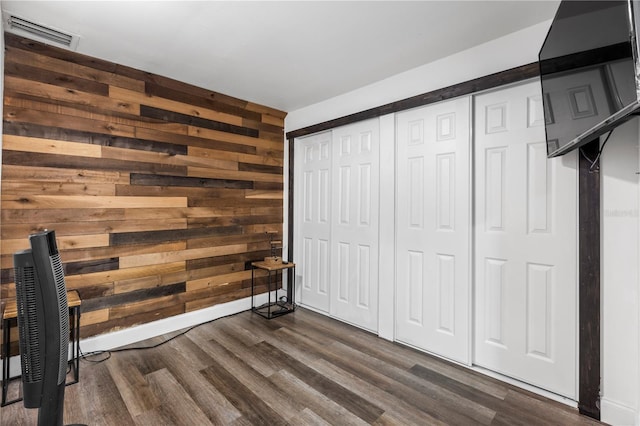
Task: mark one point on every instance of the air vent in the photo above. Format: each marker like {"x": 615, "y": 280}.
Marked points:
{"x": 27, "y": 28}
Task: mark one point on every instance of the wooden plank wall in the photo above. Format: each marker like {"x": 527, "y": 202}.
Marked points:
{"x": 160, "y": 192}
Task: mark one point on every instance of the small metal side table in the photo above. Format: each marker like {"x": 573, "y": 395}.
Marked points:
{"x": 282, "y": 304}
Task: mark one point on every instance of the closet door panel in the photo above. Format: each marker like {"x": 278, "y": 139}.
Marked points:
{"x": 354, "y": 232}
{"x": 526, "y": 244}
{"x": 432, "y": 223}
{"x": 313, "y": 219}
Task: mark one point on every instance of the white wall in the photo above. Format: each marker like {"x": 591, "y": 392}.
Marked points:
{"x": 516, "y": 49}
{"x": 620, "y": 276}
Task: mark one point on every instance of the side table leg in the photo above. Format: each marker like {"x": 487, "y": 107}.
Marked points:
{"x": 289, "y": 285}
{"x": 75, "y": 343}
{"x": 252, "y": 273}
{"x": 5, "y": 360}
{"x": 269, "y": 296}
{"x": 292, "y": 297}
{"x": 78, "y": 345}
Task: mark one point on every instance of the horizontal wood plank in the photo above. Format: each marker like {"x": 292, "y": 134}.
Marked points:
{"x": 208, "y": 100}
{"x": 19, "y": 172}
{"x": 183, "y": 181}
{"x": 82, "y": 281}
{"x": 93, "y": 227}
{"x": 223, "y": 279}
{"x": 232, "y": 174}
{"x": 163, "y": 236}
{"x": 50, "y": 64}
{"x": 197, "y": 121}
{"x": 79, "y": 255}
{"x": 63, "y": 94}
{"x": 218, "y": 135}
{"x": 72, "y": 162}
{"x": 29, "y": 72}
{"x": 237, "y": 157}
{"x": 10, "y": 246}
{"x": 23, "y": 115}
{"x": 169, "y": 257}
{"x": 56, "y": 188}
{"x": 84, "y": 202}
{"x": 49, "y": 146}
{"x": 190, "y": 140}
{"x": 160, "y": 103}
{"x": 263, "y": 194}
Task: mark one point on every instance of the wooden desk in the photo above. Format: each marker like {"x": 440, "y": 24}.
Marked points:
{"x": 280, "y": 306}
{"x": 10, "y": 316}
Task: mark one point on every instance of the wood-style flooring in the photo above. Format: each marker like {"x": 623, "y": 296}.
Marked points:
{"x": 299, "y": 369}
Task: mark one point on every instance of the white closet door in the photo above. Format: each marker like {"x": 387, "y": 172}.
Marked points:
{"x": 313, "y": 219}
{"x": 433, "y": 237}
{"x": 354, "y": 220}
{"x": 526, "y": 244}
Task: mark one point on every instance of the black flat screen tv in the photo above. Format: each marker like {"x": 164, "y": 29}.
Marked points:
{"x": 589, "y": 71}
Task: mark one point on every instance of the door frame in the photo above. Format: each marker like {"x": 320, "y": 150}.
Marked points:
{"x": 588, "y": 222}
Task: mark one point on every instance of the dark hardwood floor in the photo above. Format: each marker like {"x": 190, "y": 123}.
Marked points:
{"x": 298, "y": 369}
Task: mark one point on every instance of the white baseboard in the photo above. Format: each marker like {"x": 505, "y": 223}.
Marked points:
{"x": 615, "y": 413}
{"x": 107, "y": 341}
{"x": 526, "y": 386}
{"x": 316, "y": 310}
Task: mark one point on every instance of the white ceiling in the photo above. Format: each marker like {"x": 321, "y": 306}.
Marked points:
{"x": 287, "y": 54}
